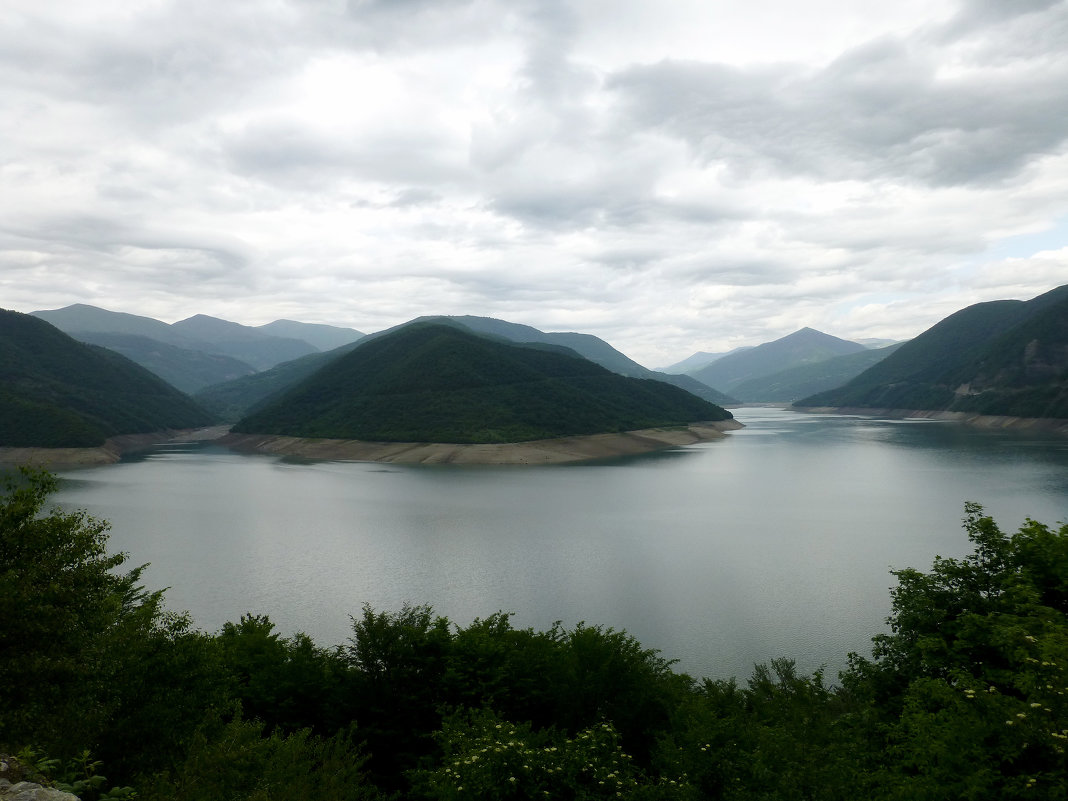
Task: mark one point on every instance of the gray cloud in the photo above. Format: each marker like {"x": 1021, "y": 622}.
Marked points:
{"x": 881, "y": 111}
{"x": 361, "y": 163}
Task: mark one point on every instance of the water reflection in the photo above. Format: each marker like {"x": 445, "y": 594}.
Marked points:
{"x": 774, "y": 541}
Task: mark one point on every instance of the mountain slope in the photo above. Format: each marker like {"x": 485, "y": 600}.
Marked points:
{"x": 586, "y": 345}
{"x": 323, "y": 337}
{"x": 789, "y": 385}
{"x": 232, "y": 400}
{"x": 58, "y": 392}
{"x": 242, "y": 342}
{"x": 806, "y": 346}
{"x": 1005, "y": 357}
{"x": 182, "y": 368}
{"x": 256, "y": 347}
{"x": 431, "y": 382}
{"x": 696, "y": 361}
{"x": 81, "y": 317}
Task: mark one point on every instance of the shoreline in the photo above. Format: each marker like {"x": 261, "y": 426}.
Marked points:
{"x": 110, "y": 452}
{"x": 1041, "y": 424}
{"x": 561, "y": 450}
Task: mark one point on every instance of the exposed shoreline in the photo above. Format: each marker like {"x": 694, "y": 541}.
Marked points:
{"x": 1039, "y": 424}
{"x": 108, "y": 453}
{"x": 545, "y": 451}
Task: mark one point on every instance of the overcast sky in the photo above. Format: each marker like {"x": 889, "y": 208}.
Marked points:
{"x": 671, "y": 176}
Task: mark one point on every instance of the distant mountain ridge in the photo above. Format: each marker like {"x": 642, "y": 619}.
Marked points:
{"x": 1006, "y": 357}
{"x": 806, "y": 346}
{"x": 200, "y": 350}
{"x": 798, "y": 382}
{"x": 698, "y": 360}
{"x": 58, "y": 392}
{"x": 436, "y": 382}
{"x": 182, "y": 368}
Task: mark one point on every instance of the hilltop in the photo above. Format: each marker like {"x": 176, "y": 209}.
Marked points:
{"x": 58, "y": 392}
{"x": 431, "y": 382}
{"x": 803, "y": 380}
{"x": 198, "y": 351}
{"x": 586, "y": 345}
{"x": 1005, "y": 358}
{"x": 234, "y": 399}
{"x": 806, "y": 346}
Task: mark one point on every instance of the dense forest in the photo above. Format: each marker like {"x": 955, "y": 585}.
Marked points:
{"x": 1005, "y": 357}
{"x": 963, "y": 696}
{"x": 428, "y": 382}
{"x": 56, "y": 392}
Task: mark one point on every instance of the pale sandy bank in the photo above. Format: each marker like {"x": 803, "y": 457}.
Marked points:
{"x": 544, "y": 451}
{"x": 111, "y": 451}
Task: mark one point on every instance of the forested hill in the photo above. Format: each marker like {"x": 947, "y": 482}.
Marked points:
{"x": 806, "y": 346}
{"x": 58, "y": 392}
{"x": 1006, "y": 357}
{"x": 429, "y": 382}
{"x": 586, "y": 345}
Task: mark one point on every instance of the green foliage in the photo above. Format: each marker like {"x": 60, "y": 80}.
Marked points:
{"x": 970, "y": 683}
{"x": 57, "y": 392}
{"x": 966, "y": 695}
{"x": 93, "y": 658}
{"x": 80, "y": 775}
{"x": 240, "y": 760}
{"x": 436, "y": 383}
{"x": 1001, "y": 358}
{"x": 59, "y": 603}
{"x": 781, "y": 736}
{"x": 286, "y": 682}
{"x": 485, "y": 757}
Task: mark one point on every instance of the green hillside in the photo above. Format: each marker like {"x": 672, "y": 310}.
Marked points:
{"x": 185, "y": 369}
{"x": 258, "y": 347}
{"x": 806, "y": 346}
{"x": 431, "y": 382}
{"x": 232, "y": 400}
{"x": 248, "y": 344}
{"x": 585, "y": 345}
{"x": 807, "y": 379}
{"x": 1006, "y": 357}
{"x": 57, "y": 392}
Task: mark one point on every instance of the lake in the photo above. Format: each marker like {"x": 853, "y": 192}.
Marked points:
{"x": 774, "y": 541}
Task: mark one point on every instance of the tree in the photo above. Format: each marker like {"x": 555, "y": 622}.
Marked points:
{"x": 59, "y": 597}
{"x": 969, "y": 687}
{"x": 88, "y": 657}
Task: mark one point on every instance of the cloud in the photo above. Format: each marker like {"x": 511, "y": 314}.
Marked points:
{"x": 682, "y": 177}
{"x": 884, "y": 110}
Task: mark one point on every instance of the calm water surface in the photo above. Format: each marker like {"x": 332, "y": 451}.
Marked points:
{"x": 775, "y": 541}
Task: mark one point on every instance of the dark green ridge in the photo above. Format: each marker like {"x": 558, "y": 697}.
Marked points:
{"x": 1006, "y": 357}
{"x": 235, "y": 399}
{"x": 585, "y": 345}
{"x": 232, "y": 400}
{"x": 58, "y": 392}
{"x": 432, "y": 382}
